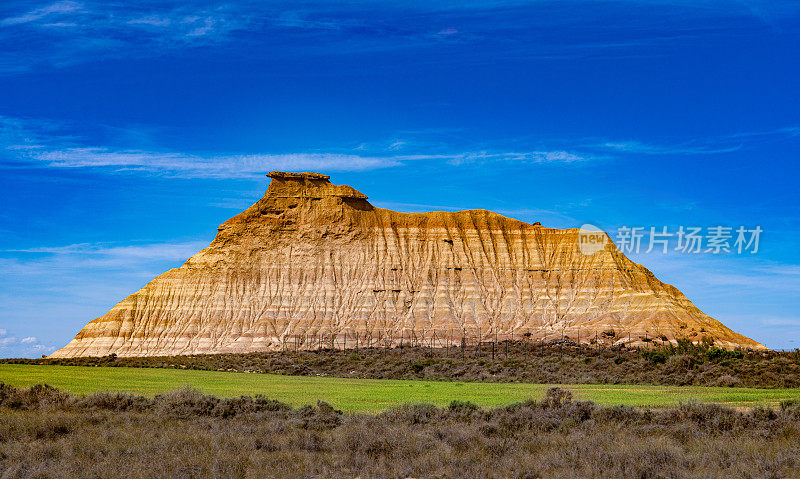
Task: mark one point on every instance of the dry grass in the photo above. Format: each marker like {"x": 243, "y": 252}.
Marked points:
{"x": 47, "y": 433}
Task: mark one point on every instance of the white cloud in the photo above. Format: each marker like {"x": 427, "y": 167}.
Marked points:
{"x": 25, "y": 347}
{"x": 3, "y": 332}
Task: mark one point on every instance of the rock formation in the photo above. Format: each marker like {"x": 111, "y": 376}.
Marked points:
{"x": 315, "y": 263}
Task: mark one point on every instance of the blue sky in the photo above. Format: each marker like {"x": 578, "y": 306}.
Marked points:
{"x": 128, "y": 133}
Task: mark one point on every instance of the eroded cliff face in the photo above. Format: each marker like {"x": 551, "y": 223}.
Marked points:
{"x": 314, "y": 259}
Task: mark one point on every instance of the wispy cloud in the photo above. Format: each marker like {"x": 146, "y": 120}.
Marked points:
{"x": 29, "y": 143}
{"x": 236, "y": 166}
{"x": 151, "y": 20}
{"x": 782, "y": 269}
{"x": 781, "y": 321}
{"x": 55, "y": 9}
{"x": 95, "y": 255}
{"x": 648, "y": 149}
{"x": 792, "y": 131}
{"x": 68, "y": 32}
{"x": 76, "y": 32}
{"x": 557, "y": 156}
{"x": 742, "y": 275}
{"x": 46, "y": 144}
{"x": 72, "y": 284}
{"x": 110, "y": 21}
{"x": 212, "y": 166}
{"x": 697, "y": 146}
{"x": 746, "y": 294}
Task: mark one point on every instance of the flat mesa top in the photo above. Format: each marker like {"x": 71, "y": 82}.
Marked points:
{"x": 283, "y": 175}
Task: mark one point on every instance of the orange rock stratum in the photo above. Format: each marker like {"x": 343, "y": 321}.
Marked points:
{"x": 314, "y": 259}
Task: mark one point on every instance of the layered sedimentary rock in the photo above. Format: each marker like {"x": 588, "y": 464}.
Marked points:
{"x": 314, "y": 263}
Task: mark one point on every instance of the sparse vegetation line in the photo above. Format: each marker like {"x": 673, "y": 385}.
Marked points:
{"x": 367, "y": 395}
{"x": 556, "y": 362}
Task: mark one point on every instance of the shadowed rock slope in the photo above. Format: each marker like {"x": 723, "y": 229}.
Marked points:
{"x": 312, "y": 259}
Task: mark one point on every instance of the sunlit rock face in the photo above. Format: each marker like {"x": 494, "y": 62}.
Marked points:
{"x": 312, "y": 259}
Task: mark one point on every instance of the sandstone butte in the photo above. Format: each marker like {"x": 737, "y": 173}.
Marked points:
{"x": 315, "y": 263}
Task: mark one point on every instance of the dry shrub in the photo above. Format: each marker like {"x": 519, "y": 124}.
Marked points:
{"x": 410, "y": 414}
{"x": 320, "y": 417}
{"x": 35, "y": 397}
{"x": 47, "y": 433}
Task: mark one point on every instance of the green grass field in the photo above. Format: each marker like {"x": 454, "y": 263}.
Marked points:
{"x": 365, "y": 395}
